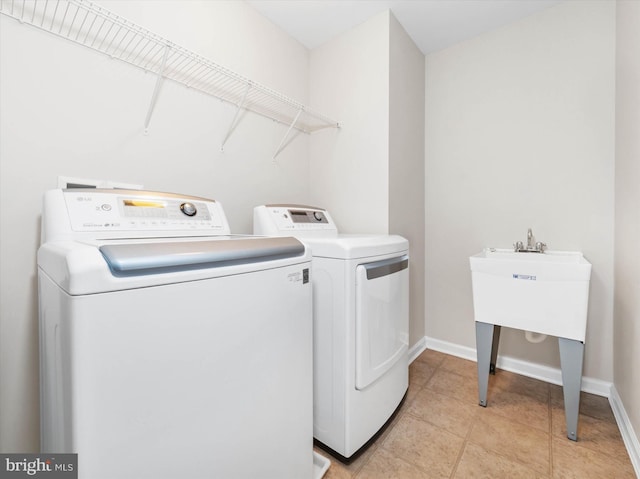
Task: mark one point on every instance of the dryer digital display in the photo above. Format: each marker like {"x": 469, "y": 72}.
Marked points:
{"x": 298, "y": 216}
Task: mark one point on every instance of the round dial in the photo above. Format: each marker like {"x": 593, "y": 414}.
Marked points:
{"x": 188, "y": 209}
{"x": 317, "y": 215}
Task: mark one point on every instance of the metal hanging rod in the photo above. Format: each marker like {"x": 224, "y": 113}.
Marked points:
{"x": 95, "y": 27}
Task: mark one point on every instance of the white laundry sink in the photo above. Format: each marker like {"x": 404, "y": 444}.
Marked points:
{"x": 544, "y": 293}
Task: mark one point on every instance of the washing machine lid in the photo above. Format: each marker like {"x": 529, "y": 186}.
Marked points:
{"x": 356, "y": 246}
{"x": 81, "y": 268}
{"x": 134, "y": 259}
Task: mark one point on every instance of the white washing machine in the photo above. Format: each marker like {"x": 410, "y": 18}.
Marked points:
{"x": 361, "y": 325}
{"x": 168, "y": 347}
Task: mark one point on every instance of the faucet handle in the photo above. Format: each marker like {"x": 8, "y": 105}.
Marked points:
{"x": 518, "y": 246}
{"x": 541, "y": 246}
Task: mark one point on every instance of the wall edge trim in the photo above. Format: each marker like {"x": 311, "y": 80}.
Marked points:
{"x": 519, "y": 366}
{"x": 629, "y": 436}
{"x": 417, "y": 349}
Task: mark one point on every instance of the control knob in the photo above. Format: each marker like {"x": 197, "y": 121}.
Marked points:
{"x": 188, "y": 209}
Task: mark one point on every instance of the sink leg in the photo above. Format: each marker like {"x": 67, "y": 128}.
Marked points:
{"x": 571, "y": 357}
{"x": 494, "y": 349}
{"x": 484, "y": 339}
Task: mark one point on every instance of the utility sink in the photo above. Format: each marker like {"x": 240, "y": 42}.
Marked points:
{"x": 544, "y": 293}
{"x": 536, "y": 290}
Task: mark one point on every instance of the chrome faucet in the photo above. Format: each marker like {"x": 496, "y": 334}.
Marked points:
{"x": 530, "y": 239}
{"x": 532, "y": 245}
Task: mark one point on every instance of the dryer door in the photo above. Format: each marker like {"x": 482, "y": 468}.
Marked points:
{"x": 382, "y": 317}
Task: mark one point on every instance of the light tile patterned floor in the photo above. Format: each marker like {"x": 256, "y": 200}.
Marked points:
{"x": 441, "y": 432}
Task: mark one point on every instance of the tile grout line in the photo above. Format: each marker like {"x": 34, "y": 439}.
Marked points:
{"x": 507, "y": 457}
{"x": 465, "y": 442}
{"x": 399, "y": 417}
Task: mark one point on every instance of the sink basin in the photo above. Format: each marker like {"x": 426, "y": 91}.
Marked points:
{"x": 544, "y": 293}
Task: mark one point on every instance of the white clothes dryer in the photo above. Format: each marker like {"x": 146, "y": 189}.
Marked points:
{"x": 170, "y": 348}
{"x": 360, "y": 325}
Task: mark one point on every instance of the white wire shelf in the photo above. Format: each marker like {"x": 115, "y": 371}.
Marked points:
{"x": 95, "y": 27}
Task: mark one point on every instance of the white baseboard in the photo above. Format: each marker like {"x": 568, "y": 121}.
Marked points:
{"x": 417, "y": 349}
{"x": 518, "y": 366}
{"x": 629, "y": 436}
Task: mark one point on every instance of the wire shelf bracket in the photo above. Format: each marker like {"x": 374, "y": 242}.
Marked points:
{"x": 92, "y": 26}
{"x": 156, "y": 90}
{"x": 282, "y": 144}
{"x": 236, "y": 120}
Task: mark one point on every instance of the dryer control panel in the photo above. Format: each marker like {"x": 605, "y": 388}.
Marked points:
{"x": 113, "y": 213}
{"x": 296, "y": 220}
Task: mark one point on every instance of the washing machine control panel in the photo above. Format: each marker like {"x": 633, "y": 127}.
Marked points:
{"x": 285, "y": 220}
{"x": 120, "y": 211}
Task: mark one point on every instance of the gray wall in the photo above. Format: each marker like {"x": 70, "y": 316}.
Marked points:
{"x": 370, "y": 174}
{"x": 406, "y": 161}
{"x": 519, "y": 134}
{"x": 349, "y": 77}
{"x": 627, "y": 231}
{"x": 67, "y": 110}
